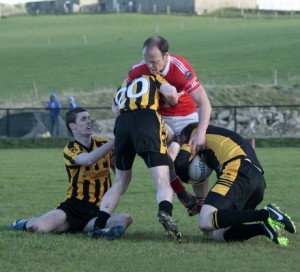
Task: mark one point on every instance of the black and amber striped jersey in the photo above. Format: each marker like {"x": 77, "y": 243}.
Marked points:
{"x": 222, "y": 145}
{"x": 141, "y": 93}
{"x": 88, "y": 183}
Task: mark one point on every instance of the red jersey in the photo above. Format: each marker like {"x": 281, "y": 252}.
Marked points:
{"x": 181, "y": 75}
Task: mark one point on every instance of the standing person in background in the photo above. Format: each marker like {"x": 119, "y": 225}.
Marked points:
{"x": 179, "y": 73}
{"x": 72, "y": 103}
{"x": 54, "y": 108}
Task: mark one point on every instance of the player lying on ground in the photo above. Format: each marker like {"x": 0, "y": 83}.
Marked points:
{"x": 87, "y": 160}
{"x": 231, "y": 203}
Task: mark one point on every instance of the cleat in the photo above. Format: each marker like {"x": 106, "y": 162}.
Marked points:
{"x": 107, "y": 233}
{"x": 188, "y": 200}
{"x": 169, "y": 225}
{"x": 18, "y": 225}
{"x": 271, "y": 232}
{"x": 283, "y": 241}
{"x": 280, "y": 219}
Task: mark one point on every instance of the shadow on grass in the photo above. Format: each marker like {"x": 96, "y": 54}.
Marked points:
{"x": 161, "y": 237}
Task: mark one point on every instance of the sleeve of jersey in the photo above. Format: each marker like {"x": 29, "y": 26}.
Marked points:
{"x": 137, "y": 70}
{"x": 191, "y": 80}
{"x": 133, "y": 74}
{"x": 101, "y": 141}
{"x": 159, "y": 80}
{"x": 182, "y": 164}
{"x": 70, "y": 154}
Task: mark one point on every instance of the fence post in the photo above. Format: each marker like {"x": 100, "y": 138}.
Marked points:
{"x": 274, "y": 77}
{"x": 35, "y": 90}
{"x": 168, "y": 10}
{"x": 234, "y": 116}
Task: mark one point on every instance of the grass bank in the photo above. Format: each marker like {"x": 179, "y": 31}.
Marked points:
{"x": 86, "y": 53}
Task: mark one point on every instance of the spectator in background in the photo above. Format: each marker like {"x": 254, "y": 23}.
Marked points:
{"x": 72, "y": 103}
{"x": 54, "y": 107}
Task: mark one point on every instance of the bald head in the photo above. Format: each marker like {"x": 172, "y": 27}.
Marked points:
{"x": 155, "y": 52}
{"x": 158, "y": 42}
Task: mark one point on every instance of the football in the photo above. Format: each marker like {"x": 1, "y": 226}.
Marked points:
{"x": 198, "y": 170}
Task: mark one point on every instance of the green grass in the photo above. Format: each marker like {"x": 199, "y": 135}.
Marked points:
{"x": 60, "y": 142}
{"x": 84, "y": 53}
{"x": 34, "y": 181}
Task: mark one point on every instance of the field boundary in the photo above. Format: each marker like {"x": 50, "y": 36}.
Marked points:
{"x": 60, "y": 142}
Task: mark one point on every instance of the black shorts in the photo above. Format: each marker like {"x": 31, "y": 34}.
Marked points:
{"x": 240, "y": 186}
{"x": 140, "y": 132}
{"x": 78, "y": 212}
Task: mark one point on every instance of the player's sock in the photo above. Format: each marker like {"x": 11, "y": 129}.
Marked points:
{"x": 243, "y": 232}
{"x": 176, "y": 183}
{"x": 101, "y": 220}
{"x": 228, "y": 218}
{"x": 166, "y": 206}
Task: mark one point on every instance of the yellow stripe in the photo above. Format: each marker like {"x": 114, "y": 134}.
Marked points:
{"x": 186, "y": 147}
{"x": 215, "y": 220}
{"x": 163, "y": 135}
{"x": 227, "y": 178}
{"x": 223, "y": 147}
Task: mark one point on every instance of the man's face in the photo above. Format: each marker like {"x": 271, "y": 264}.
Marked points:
{"x": 154, "y": 59}
{"x": 83, "y": 125}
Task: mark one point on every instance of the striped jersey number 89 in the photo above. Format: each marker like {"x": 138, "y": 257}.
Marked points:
{"x": 127, "y": 92}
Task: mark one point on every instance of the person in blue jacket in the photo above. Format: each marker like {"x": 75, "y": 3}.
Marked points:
{"x": 54, "y": 108}
{"x": 72, "y": 103}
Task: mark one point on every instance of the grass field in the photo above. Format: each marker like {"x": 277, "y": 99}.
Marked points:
{"x": 90, "y": 53}
{"x": 33, "y": 181}
{"x": 84, "y": 53}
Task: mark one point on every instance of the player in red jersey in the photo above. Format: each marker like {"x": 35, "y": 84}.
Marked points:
{"x": 179, "y": 73}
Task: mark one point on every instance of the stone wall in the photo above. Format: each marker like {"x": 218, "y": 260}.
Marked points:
{"x": 259, "y": 121}
{"x": 248, "y": 121}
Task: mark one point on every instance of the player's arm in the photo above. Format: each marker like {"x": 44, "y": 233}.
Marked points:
{"x": 204, "y": 110}
{"x": 181, "y": 163}
{"x": 112, "y": 162}
{"x": 183, "y": 158}
{"x": 115, "y": 108}
{"x": 169, "y": 92}
{"x": 88, "y": 159}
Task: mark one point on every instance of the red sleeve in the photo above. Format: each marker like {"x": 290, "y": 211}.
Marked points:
{"x": 137, "y": 70}
{"x": 189, "y": 77}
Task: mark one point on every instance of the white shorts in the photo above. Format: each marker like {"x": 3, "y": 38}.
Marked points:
{"x": 176, "y": 124}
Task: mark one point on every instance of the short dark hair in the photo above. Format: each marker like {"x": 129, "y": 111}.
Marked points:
{"x": 71, "y": 117}
{"x": 159, "y": 42}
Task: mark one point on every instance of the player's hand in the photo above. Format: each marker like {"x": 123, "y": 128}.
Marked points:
{"x": 197, "y": 142}
{"x": 115, "y": 109}
{"x": 197, "y": 208}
